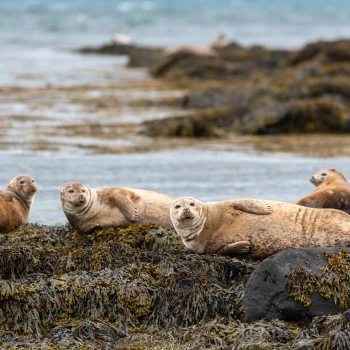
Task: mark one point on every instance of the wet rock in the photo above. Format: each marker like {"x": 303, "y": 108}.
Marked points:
{"x": 298, "y": 284}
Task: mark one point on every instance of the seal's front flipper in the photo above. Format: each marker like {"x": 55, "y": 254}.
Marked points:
{"x": 124, "y": 202}
{"x": 7, "y": 196}
{"x": 241, "y": 247}
{"x": 252, "y": 206}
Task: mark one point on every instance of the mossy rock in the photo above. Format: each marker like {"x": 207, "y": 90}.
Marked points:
{"x": 300, "y": 116}
{"x": 202, "y": 124}
{"x": 196, "y": 68}
{"x": 299, "y": 284}
{"x": 325, "y": 51}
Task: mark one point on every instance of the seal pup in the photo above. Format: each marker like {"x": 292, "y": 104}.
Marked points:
{"x": 88, "y": 209}
{"x": 258, "y": 227}
{"x": 333, "y": 191}
{"x": 16, "y": 201}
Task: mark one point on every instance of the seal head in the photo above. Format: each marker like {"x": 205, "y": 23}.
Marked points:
{"x": 24, "y": 187}
{"x": 188, "y": 216}
{"x": 75, "y": 197}
{"x": 325, "y": 175}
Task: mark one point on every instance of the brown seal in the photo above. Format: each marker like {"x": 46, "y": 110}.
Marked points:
{"x": 333, "y": 191}
{"x": 15, "y": 202}
{"x": 258, "y": 227}
{"x": 88, "y": 209}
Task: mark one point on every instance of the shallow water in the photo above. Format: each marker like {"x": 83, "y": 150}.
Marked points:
{"x": 206, "y": 175}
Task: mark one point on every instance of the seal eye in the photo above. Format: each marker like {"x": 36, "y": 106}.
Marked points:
{"x": 323, "y": 174}
{"x": 192, "y": 204}
{"x": 177, "y": 206}
{"x": 33, "y": 180}
{"x": 71, "y": 191}
{"x": 22, "y": 182}
{"x": 83, "y": 191}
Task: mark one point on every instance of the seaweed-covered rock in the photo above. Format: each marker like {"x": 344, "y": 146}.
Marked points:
{"x": 327, "y": 51}
{"x": 299, "y": 284}
{"x": 138, "y": 56}
{"x": 300, "y": 116}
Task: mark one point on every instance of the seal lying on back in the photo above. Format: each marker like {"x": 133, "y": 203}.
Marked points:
{"x": 88, "y": 209}
{"x": 333, "y": 191}
{"x": 258, "y": 227}
{"x": 15, "y": 202}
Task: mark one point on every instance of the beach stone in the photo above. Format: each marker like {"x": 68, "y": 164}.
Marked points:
{"x": 267, "y": 295}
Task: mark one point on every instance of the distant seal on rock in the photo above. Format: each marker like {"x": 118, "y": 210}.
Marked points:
{"x": 88, "y": 209}
{"x": 333, "y": 191}
{"x": 121, "y": 39}
{"x": 15, "y": 202}
{"x": 188, "y": 51}
{"x": 219, "y": 41}
{"x": 258, "y": 227}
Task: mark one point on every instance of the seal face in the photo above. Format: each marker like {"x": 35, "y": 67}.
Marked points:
{"x": 16, "y": 201}
{"x": 256, "y": 227}
{"x": 88, "y": 209}
{"x": 326, "y": 175}
{"x": 333, "y": 191}
{"x": 188, "y": 217}
{"x": 74, "y": 196}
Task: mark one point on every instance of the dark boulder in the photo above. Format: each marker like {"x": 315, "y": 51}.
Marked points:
{"x": 299, "y": 284}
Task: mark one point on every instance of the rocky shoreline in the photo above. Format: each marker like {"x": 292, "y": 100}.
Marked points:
{"x": 252, "y": 90}
{"x": 137, "y": 288}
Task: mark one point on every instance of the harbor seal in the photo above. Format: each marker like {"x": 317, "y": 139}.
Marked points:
{"x": 333, "y": 191}
{"x": 16, "y": 201}
{"x": 188, "y": 51}
{"x": 258, "y": 228}
{"x": 88, "y": 209}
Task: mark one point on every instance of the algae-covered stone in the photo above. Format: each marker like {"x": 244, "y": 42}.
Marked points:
{"x": 299, "y": 284}
{"x": 303, "y": 116}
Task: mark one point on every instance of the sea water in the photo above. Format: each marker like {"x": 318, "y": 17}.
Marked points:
{"x": 205, "y": 175}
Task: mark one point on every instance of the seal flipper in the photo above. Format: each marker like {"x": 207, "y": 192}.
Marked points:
{"x": 7, "y": 196}
{"x": 124, "y": 201}
{"x": 252, "y": 206}
{"x": 241, "y": 247}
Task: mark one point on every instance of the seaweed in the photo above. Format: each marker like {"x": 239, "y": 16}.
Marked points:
{"x": 333, "y": 283}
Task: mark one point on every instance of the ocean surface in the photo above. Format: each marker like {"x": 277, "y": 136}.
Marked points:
{"x": 274, "y": 23}
{"x": 205, "y": 175}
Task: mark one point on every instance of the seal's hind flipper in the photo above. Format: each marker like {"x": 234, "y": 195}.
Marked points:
{"x": 7, "y": 196}
{"x": 252, "y": 206}
{"x": 123, "y": 199}
{"x": 241, "y": 247}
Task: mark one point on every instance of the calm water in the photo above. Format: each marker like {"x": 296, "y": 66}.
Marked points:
{"x": 206, "y": 175}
